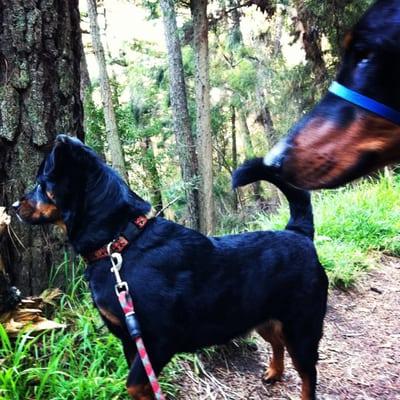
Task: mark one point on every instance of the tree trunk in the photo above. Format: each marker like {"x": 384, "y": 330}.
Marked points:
{"x": 113, "y": 139}
{"x": 249, "y": 151}
{"x": 40, "y": 52}
{"x": 279, "y": 21}
{"x": 234, "y": 153}
{"x": 311, "y": 38}
{"x": 182, "y": 127}
{"x": 203, "y": 115}
{"x": 151, "y": 171}
{"x": 86, "y": 88}
{"x": 264, "y": 114}
{"x": 86, "y": 84}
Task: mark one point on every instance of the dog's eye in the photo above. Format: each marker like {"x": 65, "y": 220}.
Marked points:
{"x": 364, "y": 61}
{"x": 363, "y": 57}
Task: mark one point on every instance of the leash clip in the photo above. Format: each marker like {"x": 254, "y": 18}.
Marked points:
{"x": 121, "y": 287}
{"x": 116, "y": 262}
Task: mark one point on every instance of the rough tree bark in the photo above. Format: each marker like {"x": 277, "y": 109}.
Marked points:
{"x": 40, "y": 52}
{"x": 182, "y": 127}
{"x": 113, "y": 139}
{"x": 86, "y": 87}
{"x": 203, "y": 116}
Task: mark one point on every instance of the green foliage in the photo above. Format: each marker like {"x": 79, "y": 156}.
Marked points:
{"x": 335, "y": 19}
{"x": 367, "y": 216}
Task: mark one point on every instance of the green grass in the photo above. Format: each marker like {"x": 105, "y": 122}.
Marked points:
{"x": 82, "y": 362}
{"x": 351, "y": 224}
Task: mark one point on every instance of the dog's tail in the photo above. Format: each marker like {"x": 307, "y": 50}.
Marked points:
{"x": 301, "y": 216}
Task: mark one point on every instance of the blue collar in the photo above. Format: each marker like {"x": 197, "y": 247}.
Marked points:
{"x": 365, "y": 102}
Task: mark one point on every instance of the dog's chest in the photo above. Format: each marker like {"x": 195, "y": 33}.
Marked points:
{"x": 105, "y": 300}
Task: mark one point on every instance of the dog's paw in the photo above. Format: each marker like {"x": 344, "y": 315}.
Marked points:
{"x": 271, "y": 376}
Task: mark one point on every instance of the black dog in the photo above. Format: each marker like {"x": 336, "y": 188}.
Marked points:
{"x": 339, "y": 141}
{"x": 189, "y": 290}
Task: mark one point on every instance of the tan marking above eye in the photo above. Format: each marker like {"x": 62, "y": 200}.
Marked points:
{"x": 45, "y": 210}
{"x": 347, "y": 40}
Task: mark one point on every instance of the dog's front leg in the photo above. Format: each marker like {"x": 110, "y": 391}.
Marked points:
{"x": 130, "y": 351}
{"x": 138, "y": 385}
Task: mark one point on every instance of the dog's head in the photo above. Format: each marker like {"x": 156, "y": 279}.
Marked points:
{"x": 75, "y": 188}
{"x": 54, "y": 183}
{"x": 339, "y": 141}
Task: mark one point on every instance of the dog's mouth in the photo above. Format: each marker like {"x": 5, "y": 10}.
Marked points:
{"x": 36, "y": 213}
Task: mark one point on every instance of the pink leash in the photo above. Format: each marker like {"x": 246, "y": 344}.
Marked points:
{"x": 125, "y": 299}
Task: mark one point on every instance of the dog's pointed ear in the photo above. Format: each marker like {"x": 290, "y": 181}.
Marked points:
{"x": 62, "y": 138}
{"x": 59, "y": 156}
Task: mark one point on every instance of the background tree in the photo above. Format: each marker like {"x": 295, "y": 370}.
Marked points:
{"x": 113, "y": 139}
{"x": 40, "y": 53}
{"x": 203, "y": 114}
{"x": 180, "y": 113}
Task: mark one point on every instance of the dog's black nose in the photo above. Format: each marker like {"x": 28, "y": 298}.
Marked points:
{"x": 276, "y": 155}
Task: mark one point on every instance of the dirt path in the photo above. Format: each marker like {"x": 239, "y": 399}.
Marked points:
{"x": 359, "y": 353}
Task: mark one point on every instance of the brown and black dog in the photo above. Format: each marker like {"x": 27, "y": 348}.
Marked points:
{"x": 190, "y": 290}
{"x": 339, "y": 141}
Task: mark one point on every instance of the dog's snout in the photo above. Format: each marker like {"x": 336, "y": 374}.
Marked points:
{"x": 276, "y": 155}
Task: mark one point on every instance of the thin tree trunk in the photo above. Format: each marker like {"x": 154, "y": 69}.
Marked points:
{"x": 153, "y": 176}
{"x": 40, "y": 53}
{"x": 264, "y": 114}
{"x": 249, "y": 150}
{"x": 182, "y": 127}
{"x": 86, "y": 84}
{"x": 234, "y": 141}
{"x": 235, "y": 31}
{"x": 234, "y": 153}
{"x": 86, "y": 87}
{"x": 279, "y": 21}
{"x": 203, "y": 114}
{"x": 113, "y": 139}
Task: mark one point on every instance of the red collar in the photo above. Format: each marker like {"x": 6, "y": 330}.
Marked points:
{"x": 117, "y": 245}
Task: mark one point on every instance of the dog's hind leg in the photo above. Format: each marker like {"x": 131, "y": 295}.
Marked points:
{"x": 271, "y": 331}
{"x": 303, "y": 350}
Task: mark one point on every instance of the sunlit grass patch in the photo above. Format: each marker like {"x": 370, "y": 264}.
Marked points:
{"x": 82, "y": 362}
